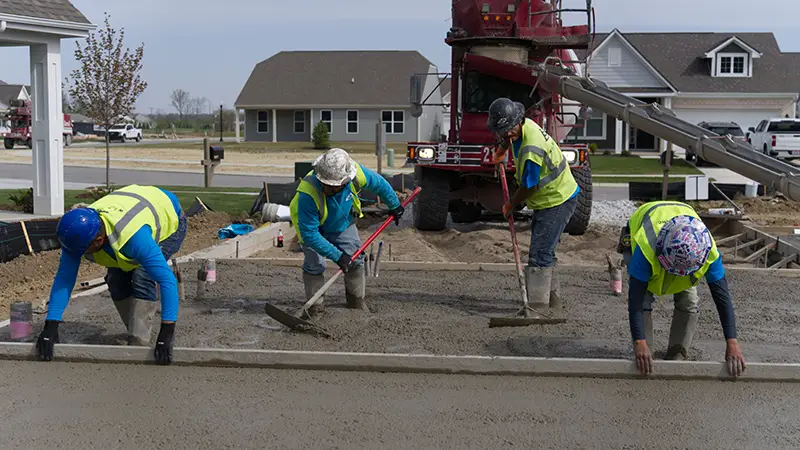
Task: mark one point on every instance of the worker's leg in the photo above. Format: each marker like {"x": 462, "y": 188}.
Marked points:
{"x": 348, "y": 241}
{"x": 313, "y": 277}
{"x": 145, "y": 294}
{"x": 121, "y": 290}
{"x": 547, "y": 225}
{"x": 684, "y": 323}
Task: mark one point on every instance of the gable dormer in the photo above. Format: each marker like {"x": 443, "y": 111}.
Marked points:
{"x": 732, "y": 58}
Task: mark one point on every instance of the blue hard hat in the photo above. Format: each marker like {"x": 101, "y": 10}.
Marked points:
{"x": 77, "y": 229}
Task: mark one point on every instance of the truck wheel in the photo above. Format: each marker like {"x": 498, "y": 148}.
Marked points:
{"x": 29, "y": 144}
{"x": 8, "y": 144}
{"x": 431, "y": 205}
{"x": 67, "y": 140}
{"x": 122, "y": 139}
{"x": 583, "y": 211}
{"x": 138, "y": 137}
{"x": 466, "y": 212}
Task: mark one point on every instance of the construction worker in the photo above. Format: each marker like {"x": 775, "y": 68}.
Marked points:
{"x": 545, "y": 186}
{"x": 668, "y": 249}
{"x": 324, "y": 211}
{"x": 132, "y": 231}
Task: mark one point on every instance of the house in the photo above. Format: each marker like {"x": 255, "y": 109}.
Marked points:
{"x": 289, "y": 93}
{"x": 10, "y": 92}
{"x": 445, "y": 88}
{"x": 714, "y": 77}
{"x": 82, "y": 124}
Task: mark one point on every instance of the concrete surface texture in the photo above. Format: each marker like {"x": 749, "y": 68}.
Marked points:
{"x": 447, "y": 313}
{"x": 132, "y": 407}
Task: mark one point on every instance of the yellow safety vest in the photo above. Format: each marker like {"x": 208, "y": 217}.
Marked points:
{"x": 645, "y": 224}
{"x": 556, "y": 183}
{"x": 125, "y": 211}
{"x": 308, "y": 186}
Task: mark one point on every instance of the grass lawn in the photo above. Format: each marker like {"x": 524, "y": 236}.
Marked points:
{"x": 259, "y": 147}
{"x": 233, "y": 204}
{"x": 635, "y": 165}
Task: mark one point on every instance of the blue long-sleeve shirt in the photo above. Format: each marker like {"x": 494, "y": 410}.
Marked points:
{"x": 142, "y": 248}
{"x": 640, "y": 272}
{"x": 339, "y": 213}
{"x": 532, "y": 171}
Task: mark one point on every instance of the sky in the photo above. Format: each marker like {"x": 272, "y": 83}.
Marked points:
{"x": 209, "y": 48}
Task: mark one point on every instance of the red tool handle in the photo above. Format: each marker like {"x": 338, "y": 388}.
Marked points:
{"x": 523, "y": 289}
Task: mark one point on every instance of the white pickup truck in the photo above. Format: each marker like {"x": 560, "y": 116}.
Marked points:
{"x": 776, "y": 137}
{"x": 122, "y": 132}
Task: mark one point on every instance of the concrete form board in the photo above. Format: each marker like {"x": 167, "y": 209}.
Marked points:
{"x": 408, "y": 363}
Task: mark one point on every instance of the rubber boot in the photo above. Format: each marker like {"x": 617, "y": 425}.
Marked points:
{"x": 137, "y": 315}
{"x": 681, "y": 333}
{"x": 355, "y": 289}
{"x": 538, "y": 281}
{"x": 555, "y": 290}
{"x": 312, "y": 284}
{"x": 648, "y": 329}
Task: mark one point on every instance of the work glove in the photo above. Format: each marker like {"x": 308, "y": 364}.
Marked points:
{"x": 734, "y": 358}
{"x": 163, "y": 350}
{"x": 508, "y": 209}
{"x": 397, "y": 213}
{"x": 47, "y": 340}
{"x": 344, "y": 262}
{"x": 644, "y": 360}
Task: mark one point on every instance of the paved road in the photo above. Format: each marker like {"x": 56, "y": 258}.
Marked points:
{"x": 79, "y": 144}
{"x": 92, "y": 176}
{"x": 121, "y": 407}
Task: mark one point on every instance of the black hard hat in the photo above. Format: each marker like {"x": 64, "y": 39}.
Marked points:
{"x": 505, "y": 114}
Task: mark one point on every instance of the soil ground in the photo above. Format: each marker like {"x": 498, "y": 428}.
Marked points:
{"x": 447, "y": 313}
{"x": 29, "y": 277}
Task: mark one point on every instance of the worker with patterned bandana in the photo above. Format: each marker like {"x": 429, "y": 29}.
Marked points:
{"x": 668, "y": 250}
{"x": 132, "y": 232}
{"x": 545, "y": 186}
{"x": 324, "y": 212}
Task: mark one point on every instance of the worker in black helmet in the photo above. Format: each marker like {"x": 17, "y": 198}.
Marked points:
{"x": 544, "y": 185}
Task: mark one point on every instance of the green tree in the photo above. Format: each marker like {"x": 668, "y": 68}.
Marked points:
{"x": 320, "y": 136}
{"x": 108, "y": 82}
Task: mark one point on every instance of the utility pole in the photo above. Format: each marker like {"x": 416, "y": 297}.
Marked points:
{"x": 220, "y": 121}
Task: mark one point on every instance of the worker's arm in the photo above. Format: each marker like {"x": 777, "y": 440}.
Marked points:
{"x": 142, "y": 248}
{"x": 530, "y": 182}
{"x": 718, "y": 285}
{"x": 308, "y": 225}
{"x": 63, "y": 284}
{"x": 378, "y": 185}
{"x": 639, "y": 272}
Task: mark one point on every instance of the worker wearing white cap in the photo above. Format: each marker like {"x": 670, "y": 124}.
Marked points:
{"x": 324, "y": 211}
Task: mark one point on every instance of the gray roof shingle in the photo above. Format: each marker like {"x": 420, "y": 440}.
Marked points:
{"x": 292, "y": 78}
{"x": 61, "y": 10}
{"x": 9, "y": 92}
{"x": 679, "y": 57}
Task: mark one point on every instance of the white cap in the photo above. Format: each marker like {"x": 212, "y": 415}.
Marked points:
{"x": 335, "y": 167}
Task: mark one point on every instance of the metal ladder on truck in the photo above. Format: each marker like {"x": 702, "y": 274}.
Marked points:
{"x": 663, "y": 123}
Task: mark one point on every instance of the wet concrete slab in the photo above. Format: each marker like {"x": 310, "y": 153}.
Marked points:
{"x": 448, "y": 313}
{"x": 71, "y": 405}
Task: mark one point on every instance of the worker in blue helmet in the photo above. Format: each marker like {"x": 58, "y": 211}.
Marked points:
{"x": 132, "y": 232}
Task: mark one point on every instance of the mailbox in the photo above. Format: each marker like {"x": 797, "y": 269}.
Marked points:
{"x": 216, "y": 153}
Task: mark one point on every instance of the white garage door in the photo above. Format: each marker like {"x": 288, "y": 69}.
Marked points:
{"x": 745, "y": 119}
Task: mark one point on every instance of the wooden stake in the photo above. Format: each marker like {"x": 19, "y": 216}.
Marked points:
{"x": 27, "y": 238}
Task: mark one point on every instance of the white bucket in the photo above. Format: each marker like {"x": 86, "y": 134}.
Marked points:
{"x": 273, "y": 212}
{"x": 751, "y": 189}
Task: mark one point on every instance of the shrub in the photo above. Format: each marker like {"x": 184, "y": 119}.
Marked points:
{"x": 98, "y": 192}
{"x": 24, "y": 200}
{"x": 607, "y": 153}
{"x": 627, "y": 153}
{"x": 320, "y": 136}
{"x": 593, "y": 148}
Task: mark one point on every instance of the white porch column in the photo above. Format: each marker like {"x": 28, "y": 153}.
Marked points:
{"x": 312, "y": 122}
{"x": 47, "y": 128}
{"x": 666, "y": 103}
{"x": 236, "y": 117}
{"x": 274, "y": 125}
{"x": 618, "y": 130}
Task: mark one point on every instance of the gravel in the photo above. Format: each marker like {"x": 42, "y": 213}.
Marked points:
{"x": 613, "y": 213}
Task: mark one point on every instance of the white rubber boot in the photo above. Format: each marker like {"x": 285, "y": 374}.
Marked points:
{"x": 355, "y": 288}
{"x": 538, "y": 281}
{"x": 137, "y": 315}
{"x": 555, "y": 290}
{"x": 312, "y": 284}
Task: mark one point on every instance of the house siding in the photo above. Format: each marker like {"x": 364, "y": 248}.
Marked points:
{"x": 632, "y": 73}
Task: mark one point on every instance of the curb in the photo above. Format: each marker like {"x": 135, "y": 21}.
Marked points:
{"x": 430, "y": 266}
{"x": 408, "y": 363}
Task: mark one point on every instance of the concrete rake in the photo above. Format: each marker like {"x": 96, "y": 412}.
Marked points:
{"x": 301, "y": 320}
{"x": 527, "y": 315}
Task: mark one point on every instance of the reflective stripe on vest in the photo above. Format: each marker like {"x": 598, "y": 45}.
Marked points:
{"x": 128, "y": 217}
{"x": 554, "y": 171}
{"x": 321, "y": 195}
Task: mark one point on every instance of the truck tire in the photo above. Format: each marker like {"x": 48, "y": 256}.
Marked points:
{"x": 122, "y": 139}
{"x": 67, "y": 140}
{"x": 466, "y": 212}
{"x": 29, "y": 144}
{"x": 138, "y": 137}
{"x": 8, "y": 144}
{"x": 579, "y": 222}
{"x": 431, "y": 205}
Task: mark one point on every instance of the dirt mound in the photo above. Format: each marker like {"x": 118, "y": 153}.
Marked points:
{"x": 776, "y": 210}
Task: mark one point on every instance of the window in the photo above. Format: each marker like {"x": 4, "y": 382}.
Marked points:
{"x": 785, "y": 126}
{"x": 614, "y": 57}
{"x": 394, "y": 121}
{"x": 732, "y": 65}
{"x": 593, "y": 128}
{"x": 352, "y": 122}
{"x": 262, "y": 121}
{"x": 299, "y": 122}
{"x": 480, "y": 90}
{"x": 326, "y": 117}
